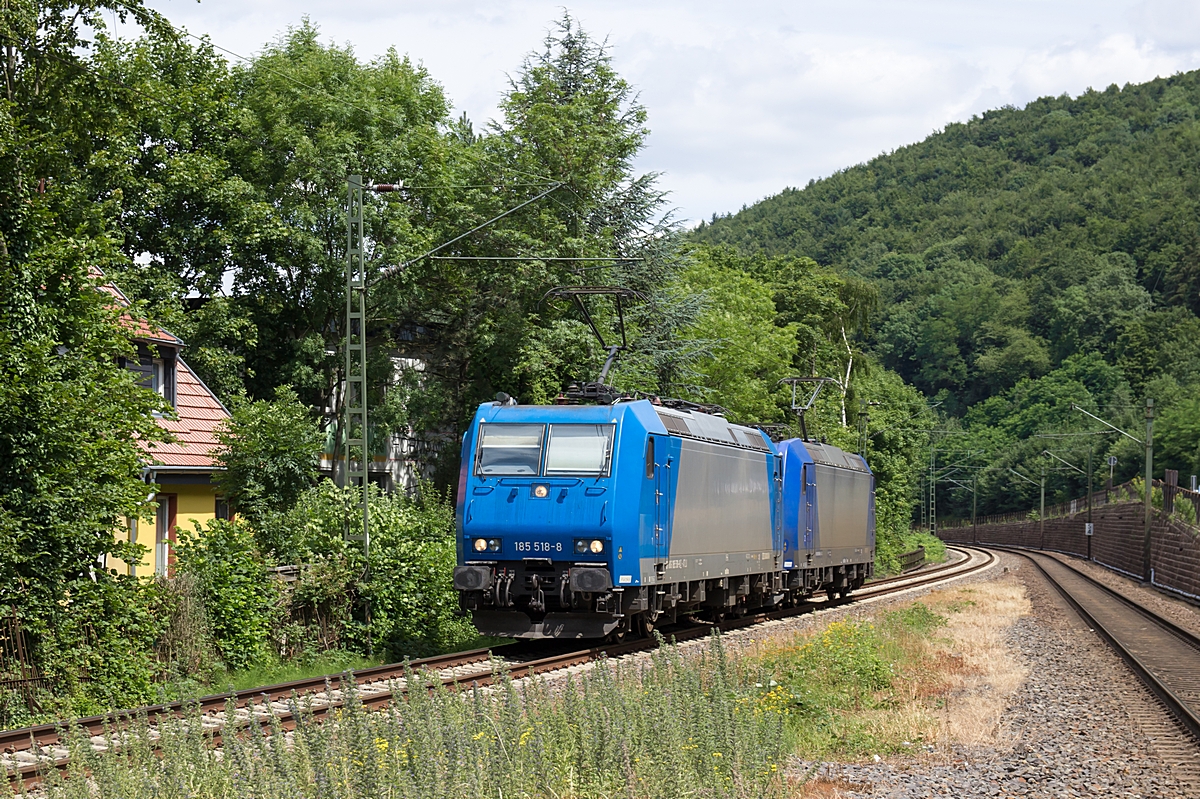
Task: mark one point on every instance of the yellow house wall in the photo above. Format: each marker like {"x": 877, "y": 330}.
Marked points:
{"x": 194, "y": 502}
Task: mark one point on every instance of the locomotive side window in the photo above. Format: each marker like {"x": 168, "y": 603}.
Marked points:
{"x": 510, "y": 449}
{"x": 579, "y": 449}
{"x": 650, "y": 457}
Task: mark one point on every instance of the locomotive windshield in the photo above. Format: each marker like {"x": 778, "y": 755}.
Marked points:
{"x": 579, "y": 449}
{"x": 514, "y": 449}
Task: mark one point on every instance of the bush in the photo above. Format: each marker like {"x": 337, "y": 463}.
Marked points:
{"x": 97, "y": 652}
{"x": 1185, "y": 511}
{"x": 268, "y": 459}
{"x": 239, "y": 597}
{"x": 408, "y": 582}
{"x": 186, "y": 648}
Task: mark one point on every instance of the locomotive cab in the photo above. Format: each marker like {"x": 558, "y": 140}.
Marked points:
{"x": 536, "y": 517}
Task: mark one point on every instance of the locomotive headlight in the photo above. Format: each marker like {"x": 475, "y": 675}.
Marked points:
{"x": 597, "y": 547}
{"x": 481, "y": 544}
{"x": 493, "y": 544}
{"x": 541, "y": 491}
{"x": 581, "y": 546}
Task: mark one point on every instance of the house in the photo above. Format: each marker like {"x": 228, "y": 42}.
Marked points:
{"x": 182, "y": 469}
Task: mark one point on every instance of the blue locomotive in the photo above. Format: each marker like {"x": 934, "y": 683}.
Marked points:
{"x": 586, "y": 521}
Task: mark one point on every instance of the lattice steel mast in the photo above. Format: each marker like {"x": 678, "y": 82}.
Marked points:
{"x": 356, "y": 433}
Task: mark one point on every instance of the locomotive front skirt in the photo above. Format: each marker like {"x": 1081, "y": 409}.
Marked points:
{"x": 591, "y": 521}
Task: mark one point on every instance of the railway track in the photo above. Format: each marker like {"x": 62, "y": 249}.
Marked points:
{"x": 29, "y": 753}
{"x": 1165, "y": 656}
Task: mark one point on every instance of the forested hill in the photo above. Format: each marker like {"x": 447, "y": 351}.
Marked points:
{"x": 1004, "y": 245}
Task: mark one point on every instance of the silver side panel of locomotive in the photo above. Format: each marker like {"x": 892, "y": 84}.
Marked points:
{"x": 721, "y": 523}
{"x": 722, "y": 501}
{"x": 844, "y": 533}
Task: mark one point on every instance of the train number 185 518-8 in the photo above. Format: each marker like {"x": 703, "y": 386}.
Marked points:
{"x": 538, "y": 546}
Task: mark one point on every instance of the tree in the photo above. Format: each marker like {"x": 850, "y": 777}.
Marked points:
{"x": 484, "y": 325}
{"x": 1177, "y": 437}
{"x": 268, "y": 458}
{"x": 73, "y": 422}
{"x": 749, "y": 353}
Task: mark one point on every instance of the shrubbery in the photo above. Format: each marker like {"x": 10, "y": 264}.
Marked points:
{"x": 255, "y": 618}
{"x": 239, "y": 599}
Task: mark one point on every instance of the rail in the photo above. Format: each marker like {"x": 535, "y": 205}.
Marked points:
{"x": 1160, "y": 652}
{"x": 28, "y": 754}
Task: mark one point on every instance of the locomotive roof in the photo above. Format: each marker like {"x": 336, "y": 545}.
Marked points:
{"x": 829, "y": 455}
{"x": 693, "y": 424}
{"x": 686, "y": 424}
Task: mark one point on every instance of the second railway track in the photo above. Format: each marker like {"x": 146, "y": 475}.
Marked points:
{"x": 27, "y": 754}
{"x": 1164, "y": 655}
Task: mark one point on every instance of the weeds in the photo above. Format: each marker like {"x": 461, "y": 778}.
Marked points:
{"x": 843, "y": 691}
{"x": 617, "y": 730}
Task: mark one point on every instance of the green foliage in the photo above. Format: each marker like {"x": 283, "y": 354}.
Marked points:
{"x": 268, "y": 457}
{"x": 1185, "y": 511}
{"x": 749, "y": 353}
{"x": 306, "y": 666}
{"x": 407, "y": 581}
{"x": 239, "y": 597}
{"x": 618, "y": 729}
{"x": 1177, "y": 438}
{"x": 832, "y": 687}
{"x": 916, "y": 618}
{"x": 1026, "y": 259}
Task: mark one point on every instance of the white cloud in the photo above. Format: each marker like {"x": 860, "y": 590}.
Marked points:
{"x": 747, "y": 98}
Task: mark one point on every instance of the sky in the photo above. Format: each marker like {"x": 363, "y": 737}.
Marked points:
{"x": 748, "y": 98}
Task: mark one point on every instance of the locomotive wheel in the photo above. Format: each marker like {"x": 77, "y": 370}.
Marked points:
{"x": 645, "y": 625}
{"x": 618, "y": 635}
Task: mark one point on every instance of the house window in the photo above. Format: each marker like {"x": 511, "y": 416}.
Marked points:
{"x": 222, "y": 509}
{"x": 164, "y": 535}
{"x": 156, "y": 373}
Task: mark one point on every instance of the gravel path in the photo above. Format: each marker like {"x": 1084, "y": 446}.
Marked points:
{"x": 1082, "y": 725}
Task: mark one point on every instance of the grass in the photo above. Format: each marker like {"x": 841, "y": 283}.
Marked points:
{"x": 921, "y": 676}
{"x": 704, "y": 724}
{"x": 332, "y": 662}
{"x": 842, "y": 689}
{"x": 927, "y": 674}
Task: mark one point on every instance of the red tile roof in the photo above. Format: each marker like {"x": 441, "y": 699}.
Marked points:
{"x": 199, "y": 411}
{"x": 140, "y": 328}
{"x": 200, "y": 414}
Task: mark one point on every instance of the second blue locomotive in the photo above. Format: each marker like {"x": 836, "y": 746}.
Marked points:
{"x": 588, "y": 521}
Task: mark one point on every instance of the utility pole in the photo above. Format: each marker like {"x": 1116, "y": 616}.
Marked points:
{"x": 357, "y": 432}
{"x": 1148, "y": 442}
{"x": 1147, "y": 571}
{"x": 1042, "y": 511}
{"x": 357, "y": 435}
{"x": 974, "y": 507}
{"x": 932, "y": 490}
{"x": 1090, "y": 528}
{"x": 1032, "y": 482}
{"x": 355, "y": 399}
